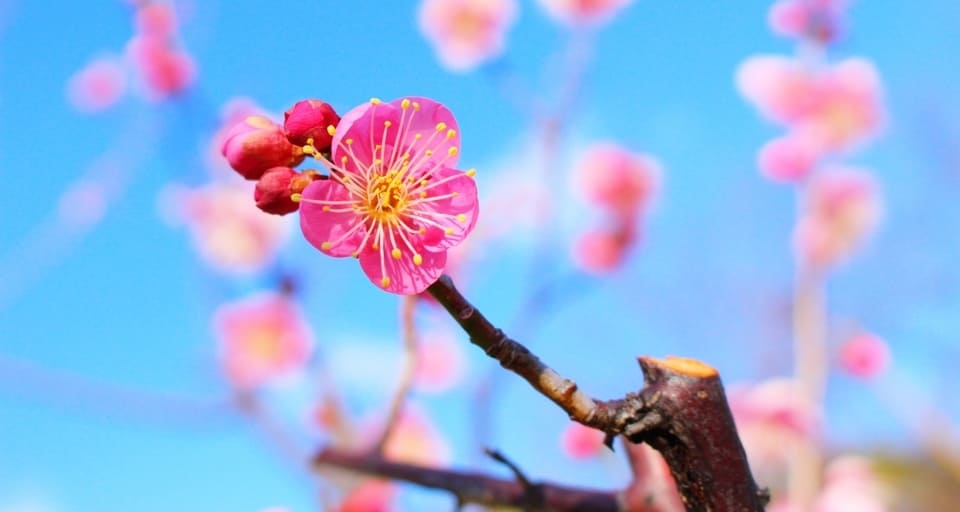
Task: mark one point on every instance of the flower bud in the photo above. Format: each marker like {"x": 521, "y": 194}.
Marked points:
{"x": 310, "y": 119}
{"x": 257, "y": 144}
{"x": 275, "y": 187}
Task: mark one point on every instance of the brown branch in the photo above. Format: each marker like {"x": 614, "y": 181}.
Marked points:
{"x": 682, "y": 412}
{"x": 478, "y": 488}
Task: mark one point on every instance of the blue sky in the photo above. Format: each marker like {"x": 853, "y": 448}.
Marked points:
{"x": 130, "y": 302}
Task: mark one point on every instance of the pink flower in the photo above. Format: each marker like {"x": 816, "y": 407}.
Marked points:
{"x": 277, "y": 186}
{"x": 779, "y": 87}
{"x": 440, "y": 363}
{"x": 164, "y": 71}
{"x": 227, "y": 229}
{"x": 612, "y": 177}
{"x": 98, "y": 86}
{"x": 465, "y": 33}
{"x": 262, "y": 337}
{"x": 309, "y": 121}
{"x": 819, "y": 20}
{"x": 257, "y": 144}
{"x": 583, "y": 12}
{"x": 601, "y": 251}
{"x": 416, "y": 440}
{"x": 788, "y": 159}
{"x": 771, "y": 416}
{"x": 369, "y": 496}
{"x": 842, "y": 207}
{"x": 156, "y": 19}
{"x": 852, "y": 486}
{"x": 848, "y": 106}
{"x": 580, "y": 442}
{"x": 652, "y": 487}
{"x": 864, "y": 355}
{"x": 394, "y": 199}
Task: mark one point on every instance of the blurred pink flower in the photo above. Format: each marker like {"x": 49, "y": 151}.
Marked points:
{"x": 842, "y": 207}
{"x": 163, "y": 70}
{"x": 852, "y": 486}
{"x": 394, "y": 199}
{"x": 834, "y": 107}
{"x": 580, "y": 442}
{"x": 864, "y": 355}
{"x": 772, "y": 416}
{"x": 652, "y": 487}
{"x": 98, "y": 86}
{"x": 819, "y": 20}
{"x": 369, "y": 496}
{"x": 779, "y": 87}
{"x": 262, "y": 338}
{"x": 465, "y": 33}
{"x": 583, "y": 12}
{"x": 227, "y": 229}
{"x": 156, "y": 19}
{"x": 601, "y": 251}
{"x": 612, "y": 177}
{"x": 849, "y": 105}
{"x": 440, "y": 363}
{"x": 416, "y": 440}
{"x": 788, "y": 159}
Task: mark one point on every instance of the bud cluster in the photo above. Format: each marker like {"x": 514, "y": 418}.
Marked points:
{"x": 266, "y": 152}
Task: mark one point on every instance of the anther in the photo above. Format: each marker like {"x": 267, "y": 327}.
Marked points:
{"x": 405, "y": 104}
{"x": 417, "y": 259}
{"x": 326, "y": 246}
{"x": 453, "y": 151}
{"x": 385, "y": 282}
{"x": 395, "y": 253}
{"x": 441, "y": 126}
{"x": 331, "y": 130}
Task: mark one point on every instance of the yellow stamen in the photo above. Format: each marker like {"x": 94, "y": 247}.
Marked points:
{"x": 349, "y": 141}
{"x": 395, "y": 253}
{"x": 385, "y": 282}
{"x": 375, "y": 101}
{"x": 441, "y": 126}
{"x": 453, "y": 151}
{"x": 405, "y": 104}
{"x": 326, "y": 208}
{"x": 387, "y": 124}
{"x": 461, "y": 218}
{"x": 451, "y": 134}
{"x": 416, "y": 105}
{"x": 417, "y": 259}
{"x": 326, "y": 246}
{"x": 331, "y": 130}
{"x": 296, "y": 197}
{"x": 448, "y": 231}
{"x": 472, "y": 172}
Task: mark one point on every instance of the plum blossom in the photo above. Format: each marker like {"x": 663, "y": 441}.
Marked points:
{"x": 98, "y": 86}
{"x": 368, "y": 496}
{"x": 842, "y": 207}
{"x": 465, "y": 33}
{"x": 580, "y": 442}
{"x": 227, "y": 229}
{"x": 819, "y": 20}
{"x": 864, "y": 355}
{"x": 393, "y": 198}
{"x": 583, "y": 12}
{"x": 612, "y": 177}
{"x": 770, "y": 416}
{"x": 262, "y": 337}
{"x": 788, "y": 159}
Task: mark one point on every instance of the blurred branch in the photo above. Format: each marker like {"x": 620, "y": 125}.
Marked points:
{"x": 408, "y": 306}
{"x": 477, "y": 488}
{"x": 681, "y": 412}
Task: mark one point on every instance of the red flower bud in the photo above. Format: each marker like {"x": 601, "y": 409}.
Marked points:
{"x": 310, "y": 119}
{"x": 277, "y": 184}
{"x": 257, "y": 144}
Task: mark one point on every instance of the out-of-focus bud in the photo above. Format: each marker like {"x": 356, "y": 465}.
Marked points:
{"x": 277, "y": 185}
{"x": 310, "y": 119}
{"x": 864, "y": 355}
{"x": 257, "y": 144}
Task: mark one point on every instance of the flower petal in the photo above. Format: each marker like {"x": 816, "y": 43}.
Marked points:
{"x": 456, "y": 215}
{"x": 335, "y": 232}
{"x": 428, "y": 117}
{"x": 403, "y": 276}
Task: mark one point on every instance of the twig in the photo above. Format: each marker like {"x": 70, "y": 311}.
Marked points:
{"x": 681, "y": 412}
{"x": 478, "y": 488}
{"x": 408, "y": 306}
{"x": 502, "y": 459}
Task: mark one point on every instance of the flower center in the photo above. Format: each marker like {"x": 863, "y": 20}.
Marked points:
{"x": 386, "y": 196}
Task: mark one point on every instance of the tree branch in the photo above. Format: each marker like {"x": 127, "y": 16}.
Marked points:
{"x": 477, "y": 488}
{"x": 682, "y": 412}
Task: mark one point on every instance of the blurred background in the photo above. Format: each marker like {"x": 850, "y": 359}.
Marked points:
{"x": 122, "y": 240}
